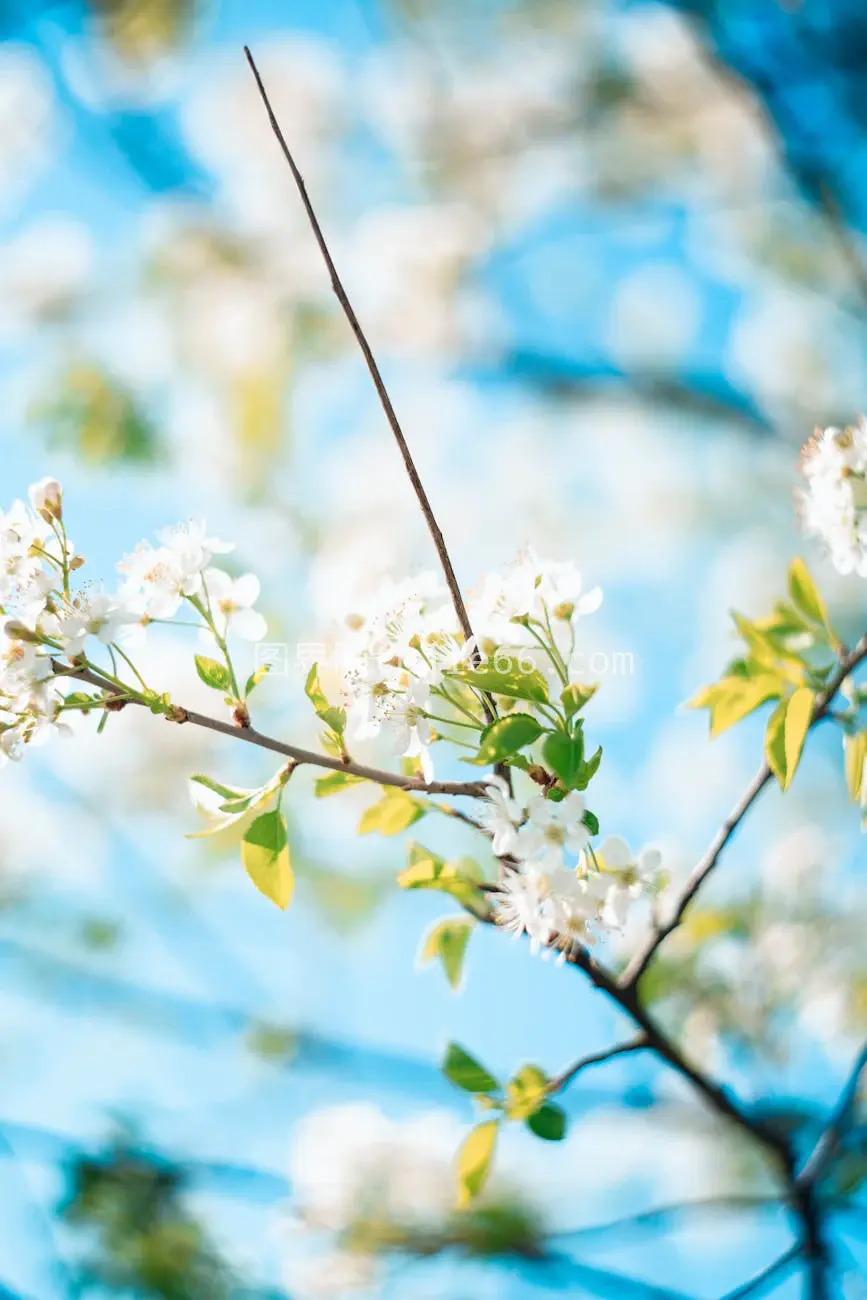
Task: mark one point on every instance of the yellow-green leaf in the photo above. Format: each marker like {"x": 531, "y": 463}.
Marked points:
{"x": 526, "y": 1091}
{"x": 448, "y": 941}
{"x": 331, "y": 715}
{"x": 805, "y": 595}
{"x": 855, "y": 754}
{"x": 734, "y": 698}
{"x": 799, "y": 715}
{"x": 775, "y": 742}
{"x": 474, "y": 1161}
{"x": 334, "y": 782}
{"x": 265, "y": 854}
{"x": 460, "y": 879}
{"x": 393, "y": 813}
{"x": 575, "y": 696}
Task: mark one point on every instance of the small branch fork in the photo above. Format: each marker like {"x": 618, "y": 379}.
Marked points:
{"x": 849, "y": 660}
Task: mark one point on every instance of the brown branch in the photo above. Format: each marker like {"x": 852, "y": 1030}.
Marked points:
{"x": 561, "y": 1081}
{"x": 309, "y": 757}
{"x": 376, "y": 376}
{"x": 641, "y": 959}
{"x": 653, "y": 1038}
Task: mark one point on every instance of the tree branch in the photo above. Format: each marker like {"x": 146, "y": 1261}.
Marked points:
{"x": 826, "y": 1148}
{"x": 757, "y": 1283}
{"x": 654, "y": 1038}
{"x": 308, "y": 757}
{"x": 658, "y": 1213}
{"x": 641, "y": 959}
{"x": 376, "y": 376}
{"x": 561, "y": 1081}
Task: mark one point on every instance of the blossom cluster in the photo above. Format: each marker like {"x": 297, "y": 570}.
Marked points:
{"x": 557, "y": 887}
{"x": 407, "y": 641}
{"x": 54, "y": 625}
{"x": 833, "y": 501}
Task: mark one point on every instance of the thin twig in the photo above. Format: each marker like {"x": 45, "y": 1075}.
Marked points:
{"x": 647, "y": 1218}
{"x": 309, "y": 757}
{"x": 826, "y": 1148}
{"x": 376, "y": 376}
{"x": 757, "y": 1283}
{"x": 656, "y": 1040}
{"x": 561, "y": 1081}
{"x": 644, "y": 955}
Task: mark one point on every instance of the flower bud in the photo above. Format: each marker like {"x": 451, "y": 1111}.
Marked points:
{"x": 46, "y": 499}
{"x": 17, "y": 631}
{"x": 77, "y": 562}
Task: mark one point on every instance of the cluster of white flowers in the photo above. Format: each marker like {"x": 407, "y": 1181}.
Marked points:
{"x": 532, "y": 588}
{"x": 407, "y": 639}
{"x": 833, "y": 503}
{"x": 560, "y": 888}
{"x": 50, "y": 621}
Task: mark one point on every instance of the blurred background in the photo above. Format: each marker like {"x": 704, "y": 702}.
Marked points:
{"x": 610, "y": 257}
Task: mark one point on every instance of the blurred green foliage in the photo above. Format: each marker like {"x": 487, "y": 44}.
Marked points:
{"x": 142, "y": 1240}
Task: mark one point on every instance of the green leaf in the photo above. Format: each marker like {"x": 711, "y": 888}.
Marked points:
{"x": 447, "y": 940}
{"x": 576, "y": 696}
{"x": 255, "y": 678}
{"x": 331, "y": 715}
{"x": 81, "y": 700}
{"x": 213, "y": 674}
{"x": 549, "y": 1122}
{"x": 526, "y": 1091}
{"x": 465, "y": 1072}
{"x": 775, "y": 742}
{"x": 505, "y": 737}
{"x": 459, "y": 879}
{"x": 590, "y": 768}
{"x": 508, "y": 679}
{"x": 799, "y": 715}
{"x": 855, "y": 755}
{"x": 265, "y": 854}
{"x": 591, "y": 821}
{"x": 805, "y": 595}
{"x": 474, "y": 1161}
{"x": 334, "y": 782}
{"x": 565, "y": 756}
{"x": 391, "y": 814}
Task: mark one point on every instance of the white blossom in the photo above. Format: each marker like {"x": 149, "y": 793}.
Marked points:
{"x": 624, "y": 877}
{"x": 552, "y": 829}
{"x": 530, "y": 588}
{"x": 833, "y": 503}
{"x": 231, "y": 603}
{"x": 168, "y": 574}
{"x": 550, "y": 904}
{"x": 500, "y": 815}
{"x": 99, "y": 614}
{"x": 163, "y": 579}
